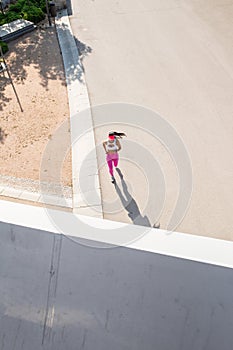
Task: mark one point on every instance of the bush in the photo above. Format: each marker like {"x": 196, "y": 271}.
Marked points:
{"x": 31, "y": 10}
{"x": 4, "y": 46}
{"x": 8, "y": 17}
{"x": 43, "y": 5}
{"x": 33, "y": 14}
{"x": 2, "y": 19}
{"x": 18, "y": 6}
{"x": 39, "y": 3}
{"x": 11, "y": 16}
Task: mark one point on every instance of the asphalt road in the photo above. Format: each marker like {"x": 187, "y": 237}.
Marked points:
{"x": 174, "y": 58}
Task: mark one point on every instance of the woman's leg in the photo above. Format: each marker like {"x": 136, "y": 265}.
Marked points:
{"x": 109, "y": 161}
{"x": 115, "y": 159}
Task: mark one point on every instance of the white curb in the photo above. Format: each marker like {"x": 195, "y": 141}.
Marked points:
{"x": 79, "y": 102}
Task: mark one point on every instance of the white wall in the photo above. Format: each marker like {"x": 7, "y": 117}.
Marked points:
{"x": 66, "y": 294}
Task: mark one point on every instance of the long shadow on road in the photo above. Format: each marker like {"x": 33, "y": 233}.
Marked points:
{"x": 130, "y": 204}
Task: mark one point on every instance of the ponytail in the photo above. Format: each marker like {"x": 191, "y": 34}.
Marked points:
{"x": 117, "y": 134}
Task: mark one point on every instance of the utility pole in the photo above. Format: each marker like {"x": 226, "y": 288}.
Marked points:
{"x": 6, "y": 68}
{"x": 48, "y": 13}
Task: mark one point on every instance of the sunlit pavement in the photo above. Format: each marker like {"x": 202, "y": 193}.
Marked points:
{"x": 175, "y": 58}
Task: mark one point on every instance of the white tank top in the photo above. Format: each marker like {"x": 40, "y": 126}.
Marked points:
{"x": 112, "y": 146}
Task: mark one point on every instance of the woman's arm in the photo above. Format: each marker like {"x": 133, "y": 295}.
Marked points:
{"x": 104, "y": 145}
{"x": 118, "y": 145}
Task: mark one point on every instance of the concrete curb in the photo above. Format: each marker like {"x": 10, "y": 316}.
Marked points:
{"x": 80, "y": 123}
{"x": 35, "y": 191}
{"x": 36, "y": 197}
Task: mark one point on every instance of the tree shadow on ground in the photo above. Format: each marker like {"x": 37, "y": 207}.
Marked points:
{"x": 39, "y": 48}
{"x": 35, "y": 48}
{"x": 83, "y": 50}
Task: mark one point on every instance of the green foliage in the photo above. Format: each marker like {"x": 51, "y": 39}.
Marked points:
{"x": 4, "y": 46}
{"x": 17, "y": 7}
{"x": 10, "y": 16}
{"x": 31, "y": 10}
{"x": 39, "y": 3}
{"x": 33, "y": 14}
{"x": 42, "y": 5}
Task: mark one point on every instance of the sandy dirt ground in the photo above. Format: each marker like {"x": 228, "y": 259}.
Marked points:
{"x": 36, "y": 67}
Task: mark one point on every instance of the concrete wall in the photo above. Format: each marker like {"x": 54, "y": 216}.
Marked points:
{"x": 6, "y": 2}
{"x": 60, "y": 4}
{"x": 58, "y": 294}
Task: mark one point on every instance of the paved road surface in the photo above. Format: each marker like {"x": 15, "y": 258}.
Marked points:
{"x": 173, "y": 57}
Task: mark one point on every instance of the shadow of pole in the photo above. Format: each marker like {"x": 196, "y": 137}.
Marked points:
{"x": 11, "y": 81}
{"x": 33, "y": 52}
{"x": 3, "y": 136}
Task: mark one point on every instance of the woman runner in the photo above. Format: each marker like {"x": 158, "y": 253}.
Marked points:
{"x": 112, "y": 146}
